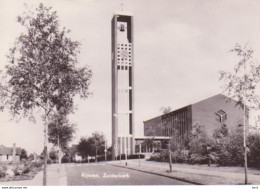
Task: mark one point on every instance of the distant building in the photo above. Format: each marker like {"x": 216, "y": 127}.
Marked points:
{"x": 10, "y": 154}
{"x": 211, "y": 113}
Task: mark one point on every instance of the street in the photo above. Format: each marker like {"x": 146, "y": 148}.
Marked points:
{"x": 102, "y": 174}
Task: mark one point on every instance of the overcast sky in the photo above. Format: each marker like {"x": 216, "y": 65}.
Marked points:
{"x": 180, "y": 45}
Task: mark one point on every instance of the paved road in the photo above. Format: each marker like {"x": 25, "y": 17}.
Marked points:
{"x": 101, "y": 174}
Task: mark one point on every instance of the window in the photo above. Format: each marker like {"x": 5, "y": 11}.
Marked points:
{"x": 222, "y": 116}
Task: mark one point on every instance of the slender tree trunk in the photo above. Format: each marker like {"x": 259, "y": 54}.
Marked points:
{"x": 59, "y": 153}
{"x": 45, "y": 155}
{"x": 245, "y": 148}
{"x": 170, "y": 156}
{"x": 96, "y": 155}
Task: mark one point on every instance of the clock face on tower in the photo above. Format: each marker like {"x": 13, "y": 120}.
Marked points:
{"x": 124, "y": 54}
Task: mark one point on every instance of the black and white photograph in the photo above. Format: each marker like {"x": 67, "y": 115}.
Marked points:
{"x": 130, "y": 93}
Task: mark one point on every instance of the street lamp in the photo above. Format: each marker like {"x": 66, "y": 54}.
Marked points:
{"x": 105, "y": 150}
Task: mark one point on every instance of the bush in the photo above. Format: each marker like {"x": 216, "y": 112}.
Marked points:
{"x": 102, "y": 158}
{"x": 163, "y": 156}
{"x": 3, "y": 171}
{"x": 180, "y": 156}
{"x": 198, "y": 159}
{"x": 253, "y": 144}
{"x": 135, "y": 156}
{"x": 229, "y": 149}
{"x": 26, "y": 170}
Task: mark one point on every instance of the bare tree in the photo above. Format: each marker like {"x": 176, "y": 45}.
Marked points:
{"x": 241, "y": 85}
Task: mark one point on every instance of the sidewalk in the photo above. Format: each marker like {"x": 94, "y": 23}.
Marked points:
{"x": 53, "y": 178}
{"x": 195, "y": 174}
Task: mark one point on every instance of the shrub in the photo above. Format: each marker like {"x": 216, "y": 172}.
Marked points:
{"x": 180, "y": 156}
{"x": 229, "y": 149}
{"x": 2, "y": 171}
{"x": 198, "y": 159}
{"x": 26, "y": 170}
{"x": 135, "y": 156}
{"x": 163, "y": 156}
{"x": 253, "y": 143}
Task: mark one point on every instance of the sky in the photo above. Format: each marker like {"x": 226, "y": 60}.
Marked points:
{"x": 180, "y": 46}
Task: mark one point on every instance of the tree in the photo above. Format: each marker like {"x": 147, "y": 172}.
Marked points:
{"x": 92, "y": 145}
{"x": 60, "y": 132}
{"x": 199, "y": 145}
{"x": 84, "y": 147}
{"x": 254, "y": 152}
{"x": 42, "y": 72}
{"x": 53, "y": 155}
{"x": 31, "y": 157}
{"x": 241, "y": 85}
{"x": 98, "y": 143}
{"x": 166, "y": 110}
{"x": 23, "y": 154}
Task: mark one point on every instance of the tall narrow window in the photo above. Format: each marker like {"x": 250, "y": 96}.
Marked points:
{"x": 130, "y": 76}
{"x": 130, "y": 124}
{"x": 130, "y": 100}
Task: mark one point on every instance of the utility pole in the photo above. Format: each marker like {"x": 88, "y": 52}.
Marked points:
{"x": 105, "y": 150}
{"x": 170, "y": 155}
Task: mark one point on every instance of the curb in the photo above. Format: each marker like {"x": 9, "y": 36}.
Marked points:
{"x": 159, "y": 174}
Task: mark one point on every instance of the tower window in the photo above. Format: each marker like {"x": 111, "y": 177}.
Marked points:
{"x": 222, "y": 116}
{"x": 118, "y": 67}
{"x": 122, "y": 28}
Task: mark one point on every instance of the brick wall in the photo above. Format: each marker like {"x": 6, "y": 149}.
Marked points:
{"x": 204, "y": 113}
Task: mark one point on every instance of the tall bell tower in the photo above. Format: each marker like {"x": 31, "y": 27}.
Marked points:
{"x": 122, "y": 84}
